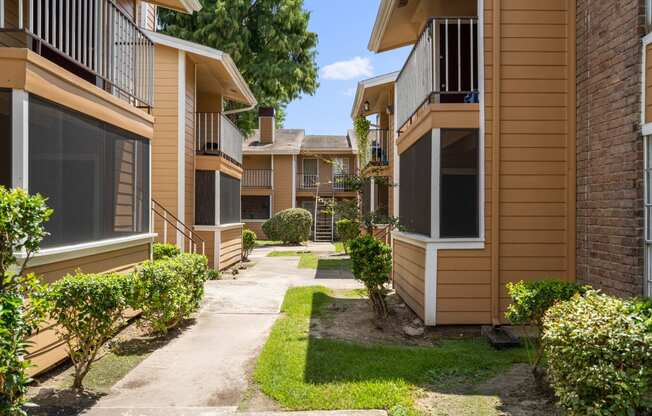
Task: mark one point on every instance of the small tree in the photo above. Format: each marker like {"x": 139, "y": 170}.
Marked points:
{"x": 22, "y": 305}
{"x": 348, "y": 230}
{"x": 248, "y": 243}
{"x": 372, "y": 265}
{"x": 88, "y": 309}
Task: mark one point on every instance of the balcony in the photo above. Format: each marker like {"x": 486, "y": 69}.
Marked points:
{"x": 257, "y": 178}
{"x": 94, "y": 40}
{"x": 308, "y": 182}
{"x": 441, "y": 68}
{"x": 217, "y": 135}
{"x": 379, "y": 147}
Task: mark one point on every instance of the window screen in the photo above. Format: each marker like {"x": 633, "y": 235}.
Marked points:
{"x": 229, "y": 199}
{"x": 95, "y": 176}
{"x": 255, "y": 207}
{"x": 366, "y": 197}
{"x": 5, "y": 138}
{"x": 414, "y": 195}
{"x": 205, "y": 197}
{"x": 459, "y": 185}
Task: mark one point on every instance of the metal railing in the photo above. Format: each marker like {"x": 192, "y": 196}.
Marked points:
{"x": 442, "y": 66}
{"x": 103, "y": 44}
{"x": 379, "y": 147}
{"x": 257, "y": 178}
{"x": 190, "y": 237}
{"x": 342, "y": 182}
{"x": 307, "y": 181}
{"x": 216, "y": 134}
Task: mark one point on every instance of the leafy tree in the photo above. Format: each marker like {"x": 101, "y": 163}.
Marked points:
{"x": 268, "y": 40}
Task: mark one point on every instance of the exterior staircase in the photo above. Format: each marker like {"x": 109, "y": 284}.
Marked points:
{"x": 174, "y": 230}
{"x": 323, "y": 227}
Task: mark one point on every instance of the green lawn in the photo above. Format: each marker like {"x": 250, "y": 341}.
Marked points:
{"x": 339, "y": 247}
{"x": 309, "y": 260}
{"x": 287, "y": 253}
{"x": 306, "y": 373}
{"x": 263, "y": 243}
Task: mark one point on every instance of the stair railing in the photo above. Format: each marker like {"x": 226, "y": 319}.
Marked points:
{"x": 170, "y": 220}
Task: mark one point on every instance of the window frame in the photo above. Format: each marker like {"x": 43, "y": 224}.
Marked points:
{"x": 647, "y": 211}
{"x": 269, "y": 213}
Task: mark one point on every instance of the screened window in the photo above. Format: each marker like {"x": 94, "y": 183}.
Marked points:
{"x": 5, "y": 138}
{"x": 256, "y": 207}
{"x": 648, "y": 216}
{"x": 459, "y": 184}
{"x": 229, "y": 199}
{"x": 205, "y": 197}
{"x": 414, "y": 195}
{"x": 341, "y": 166}
{"x": 381, "y": 197}
{"x": 95, "y": 176}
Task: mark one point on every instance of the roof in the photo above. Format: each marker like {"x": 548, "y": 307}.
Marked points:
{"x": 286, "y": 141}
{"x": 184, "y": 6}
{"x": 363, "y": 86}
{"x": 327, "y": 143}
{"x": 214, "y": 64}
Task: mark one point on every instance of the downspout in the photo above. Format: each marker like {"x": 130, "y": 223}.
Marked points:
{"x": 240, "y": 110}
{"x": 495, "y": 168}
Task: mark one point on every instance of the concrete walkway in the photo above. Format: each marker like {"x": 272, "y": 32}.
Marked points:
{"x": 205, "y": 371}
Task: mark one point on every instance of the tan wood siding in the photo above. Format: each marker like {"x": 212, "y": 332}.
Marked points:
{"x": 46, "y": 348}
{"x": 256, "y": 162}
{"x": 165, "y": 146}
{"x": 256, "y": 227}
{"x": 282, "y": 198}
{"x": 230, "y": 247}
{"x": 209, "y": 246}
{"x": 409, "y": 275}
{"x": 189, "y": 156}
{"x": 648, "y": 83}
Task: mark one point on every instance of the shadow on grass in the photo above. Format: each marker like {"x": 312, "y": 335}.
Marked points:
{"x": 51, "y": 402}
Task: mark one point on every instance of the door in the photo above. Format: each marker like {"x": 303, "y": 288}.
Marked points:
{"x": 310, "y": 175}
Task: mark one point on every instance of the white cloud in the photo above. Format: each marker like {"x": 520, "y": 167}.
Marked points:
{"x": 346, "y": 70}
{"x": 350, "y": 92}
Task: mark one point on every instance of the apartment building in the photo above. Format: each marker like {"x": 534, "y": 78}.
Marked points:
{"x": 484, "y": 114}
{"x": 197, "y": 149}
{"x": 285, "y": 168}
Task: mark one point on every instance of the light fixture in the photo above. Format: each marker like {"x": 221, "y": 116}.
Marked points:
{"x": 366, "y": 106}
{"x": 390, "y": 109}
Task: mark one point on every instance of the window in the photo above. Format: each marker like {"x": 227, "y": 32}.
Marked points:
{"x": 341, "y": 166}
{"x": 648, "y": 216}
{"x": 95, "y": 176}
{"x": 5, "y": 138}
{"x": 205, "y": 197}
{"x": 415, "y": 177}
{"x": 381, "y": 197}
{"x": 229, "y": 199}
{"x": 459, "y": 184}
{"x": 648, "y": 14}
{"x": 256, "y": 207}
{"x": 310, "y": 176}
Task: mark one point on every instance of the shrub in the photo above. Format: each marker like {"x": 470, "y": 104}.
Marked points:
{"x": 530, "y": 301}
{"x": 289, "y": 226}
{"x": 598, "y": 353}
{"x": 169, "y": 290}
{"x": 165, "y": 251}
{"x": 248, "y": 243}
{"x": 372, "y": 264}
{"x": 88, "y": 309}
{"x": 348, "y": 230}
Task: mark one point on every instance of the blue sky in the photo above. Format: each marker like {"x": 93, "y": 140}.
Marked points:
{"x": 343, "y": 27}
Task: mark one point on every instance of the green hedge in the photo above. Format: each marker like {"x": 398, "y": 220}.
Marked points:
{"x": 165, "y": 251}
{"x": 347, "y": 230}
{"x": 289, "y": 226}
{"x": 372, "y": 264}
{"x": 599, "y": 355}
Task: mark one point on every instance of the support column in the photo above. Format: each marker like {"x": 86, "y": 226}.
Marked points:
{"x": 181, "y": 145}
{"x": 495, "y": 166}
{"x": 294, "y": 181}
{"x": 20, "y": 139}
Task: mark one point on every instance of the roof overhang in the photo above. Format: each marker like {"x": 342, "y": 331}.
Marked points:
{"x": 269, "y": 152}
{"x": 372, "y": 90}
{"x": 216, "y": 71}
{"x": 183, "y": 6}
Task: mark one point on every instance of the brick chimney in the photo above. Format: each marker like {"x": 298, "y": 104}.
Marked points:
{"x": 266, "y": 124}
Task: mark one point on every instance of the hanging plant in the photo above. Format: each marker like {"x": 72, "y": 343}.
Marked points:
{"x": 361, "y": 126}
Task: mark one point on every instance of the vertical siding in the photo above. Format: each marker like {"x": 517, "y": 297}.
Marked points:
{"x": 165, "y": 143}
{"x": 648, "y": 83}
{"x": 409, "y": 271}
{"x": 230, "y": 247}
{"x": 282, "y": 198}
{"x": 190, "y": 144}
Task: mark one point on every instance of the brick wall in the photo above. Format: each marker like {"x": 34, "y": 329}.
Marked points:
{"x": 609, "y": 145}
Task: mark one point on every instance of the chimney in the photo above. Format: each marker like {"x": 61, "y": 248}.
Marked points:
{"x": 266, "y": 124}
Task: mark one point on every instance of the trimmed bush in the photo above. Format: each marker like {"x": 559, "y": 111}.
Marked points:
{"x": 348, "y": 230}
{"x": 169, "y": 290}
{"x": 248, "y": 243}
{"x": 598, "y": 354}
{"x": 165, "y": 251}
{"x": 291, "y": 226}
{"x": 530, "y": 301}
{"x": 88, "y": 309}
{"x": 371, "y": 264}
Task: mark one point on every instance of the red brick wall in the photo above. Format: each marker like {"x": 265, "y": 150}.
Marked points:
{"x": 609, "y": 145}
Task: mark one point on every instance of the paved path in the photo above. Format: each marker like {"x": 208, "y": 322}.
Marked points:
{"x": 204, "y": 371}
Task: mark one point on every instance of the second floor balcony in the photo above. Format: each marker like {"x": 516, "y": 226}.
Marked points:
{"x": 441, "y": 68}
{"x": 379, "y": 147}
{"x": 217, "y": 135}
{"x": 311, "y": 182}
{"x": 257, "y": 178}
{"x": 93, "y": 39}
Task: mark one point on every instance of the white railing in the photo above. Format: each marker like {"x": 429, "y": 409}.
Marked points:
{"x": 307, "y": 181}
{"x": 342, "y": 182}
{"x": 379, "y": 147}
{"x": 442, "y": 66}
{"x": 93, "y": 34}
{"x": 216, "y": 134}
{"x": 257, "y": 178}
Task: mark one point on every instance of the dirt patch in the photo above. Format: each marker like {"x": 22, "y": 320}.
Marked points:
{"x": 512, "y": 393}
{"x": 351, "y": 319}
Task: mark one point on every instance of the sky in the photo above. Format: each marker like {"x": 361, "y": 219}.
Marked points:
{"x": 344, "y": 27}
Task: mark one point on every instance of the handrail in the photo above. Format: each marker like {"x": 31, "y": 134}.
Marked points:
{"x": 187, "y": 232}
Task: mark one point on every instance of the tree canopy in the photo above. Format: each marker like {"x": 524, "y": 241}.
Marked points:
{"x": 268, "y": 40}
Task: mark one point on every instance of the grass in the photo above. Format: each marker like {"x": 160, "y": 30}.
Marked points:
{"x": 339, "y": 247}
{"x": 264, "y": 243}
{"x": 287, "y": 253}
{"x": 311, "y": 261}
{"x": 302, "y": 372}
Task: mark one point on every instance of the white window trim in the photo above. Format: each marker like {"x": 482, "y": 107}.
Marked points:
{"x": 646, "y": 131}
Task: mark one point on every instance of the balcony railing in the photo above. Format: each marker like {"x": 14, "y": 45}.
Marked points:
{"x": 217, "y": 135}
{"x": 343, "y": 182}
{"x": 94, "y": 39}
{"x": 338, "y": 183}
{"x": 379, "y": 147}
{"x": 442, "y": 67}
{"x": 257, "y": 178}
{"x": 307, "y": 181}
